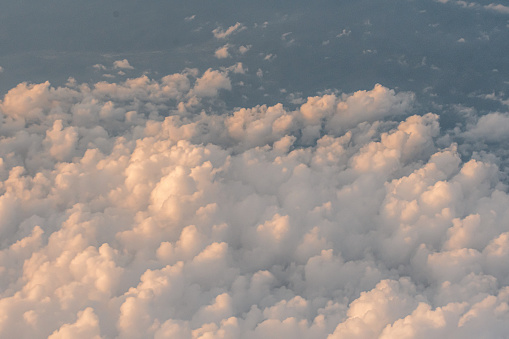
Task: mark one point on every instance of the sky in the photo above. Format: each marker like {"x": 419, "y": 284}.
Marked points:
{"x": 234, "y": 169}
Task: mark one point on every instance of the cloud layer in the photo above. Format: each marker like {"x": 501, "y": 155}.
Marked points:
{"x": 144, "y": 209}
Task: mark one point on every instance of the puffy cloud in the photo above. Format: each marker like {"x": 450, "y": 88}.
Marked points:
{"x": 219, "y": 33}
{"x": 86, "y": 326}
{"x": 238, "y": 68}
{"x": 222, "y": 52}
{"x": 493, "y": 127}
{"x": 369, "y": 314}
{"x": 99, "y": 67}
{"x": 244, "y": 49}
{"x": 210, "y": 83}
{"x": 348, "y": 110}
{"x": 61, "y": 142}
{"x": 122, "y": 64}
{"x": 498, "y": 8}
{"x": 144, "y": 208}
{"x": 26, "y": 101}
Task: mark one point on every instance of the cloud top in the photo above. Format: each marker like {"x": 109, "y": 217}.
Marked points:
{"x": 143, "y": 208}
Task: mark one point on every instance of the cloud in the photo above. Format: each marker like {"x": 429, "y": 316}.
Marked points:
{"x": 498, "y": 8}
{"x": 219, "y": 33}
{"x": 86, "y": 326}
{"x": 344, "y": 32}
{"x": 244, "y": 49}
{"x": 99, "y": 67}
{"x": 222, "y": 52}
{"x": 238, "y": 68}
{"x": 348, "y": 110}
{"x": 145, "y": 208}
{"x": 493, "y": 127}
{"x": 474, "y": 5}
{"x": 122, "y": 64}
{"x": 26, "y": 101}
{"x": 269, "y": 57}
{"x": 210, "y": 83}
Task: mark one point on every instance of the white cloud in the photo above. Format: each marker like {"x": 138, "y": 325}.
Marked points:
{"x": 269, "y": 57}
{"x": 144, "y": 208}
{"x": 222, "y": 52}
{"x": 99, "y": 67}
{"x": 26, "y": 101}
{"x": 238, "y": 68}
{"x": 474, "y": 5}
{"x": 244, "y": 49}
{"x": 493, "y": 127}
{"x": 219, "y": 33}
{"x": 61, "y": 141}
{"x": 122, "y": 64}
{"x": 344, "y": 32}
{"x": 86, "y": 326}
{"x": 348, "y": 110}
{"x": 210, "y": 83}
{"x": 498, "y": 8}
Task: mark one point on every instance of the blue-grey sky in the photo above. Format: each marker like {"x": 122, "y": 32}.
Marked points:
{"x": 446, "y": 52}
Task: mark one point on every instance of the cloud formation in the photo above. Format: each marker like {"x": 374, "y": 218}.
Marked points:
{"x": 143, "y": 208}
{"x": 122, "y": 64}
{"x": 498, "y": 8}
{"x": 222, "y": 52}
{"x": 220, "y": 33}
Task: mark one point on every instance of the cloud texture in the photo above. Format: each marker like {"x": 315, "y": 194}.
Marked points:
{"x": 143, "y": 209}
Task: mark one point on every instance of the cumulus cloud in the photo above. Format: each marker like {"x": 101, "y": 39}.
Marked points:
{"x": 220, "y": 33}
{"x": 99, "y": 67}
{"x": 238, "y": 68}
{"x": 222, "y": 52}
{"x": 244, "y": 49}
{"x": 144, "y": 208}
{"x": 122, "y": 64}
{"x": 493, "y": 127}
{"x": 210, "y": 83}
